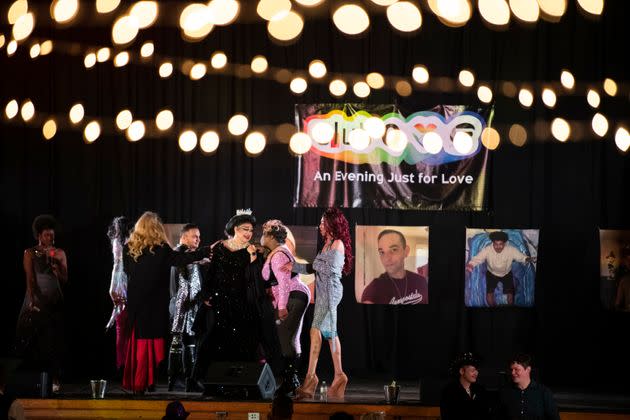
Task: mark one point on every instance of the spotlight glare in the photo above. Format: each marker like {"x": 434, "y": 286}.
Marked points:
{"x": 375, "y": 127}
{"x": 432, "y": 142}
{"x": 359, "y": 139}
{"x": 322, "y": 132}
{"x": 463, "y": 143}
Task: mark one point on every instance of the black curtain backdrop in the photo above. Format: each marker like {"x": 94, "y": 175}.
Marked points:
{"x": 566, "y": 190}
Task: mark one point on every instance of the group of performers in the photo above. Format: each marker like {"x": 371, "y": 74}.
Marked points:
{"x": 230, "y": 301}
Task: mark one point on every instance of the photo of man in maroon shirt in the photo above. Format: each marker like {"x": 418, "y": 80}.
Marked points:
{"x": 397, "y": 285}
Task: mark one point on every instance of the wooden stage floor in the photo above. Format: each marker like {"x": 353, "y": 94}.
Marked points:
{"x": 362, "y": 397}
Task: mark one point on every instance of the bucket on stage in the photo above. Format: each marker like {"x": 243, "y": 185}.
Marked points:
{"x": 99, "y": 387}
{"x": 391, "y": 393}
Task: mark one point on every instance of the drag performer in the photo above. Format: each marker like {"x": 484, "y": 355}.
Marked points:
{"x": 333, "y": 261}
{"x": 118, "y": 233}
{"x": 147, "y": 261}
{"x": 39, "y": 334}
{"x": 185, "y": 288}
{"x": 291, "y": 298}
{"x": 229, "y": 321}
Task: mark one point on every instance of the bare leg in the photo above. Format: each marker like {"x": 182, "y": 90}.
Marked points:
{"x": 316, "y": 345}
{"x": 336, "y": 355}
{"x": 490, "y": 299}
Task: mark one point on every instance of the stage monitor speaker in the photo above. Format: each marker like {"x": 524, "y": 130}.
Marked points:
{"x": 239, "y": 380}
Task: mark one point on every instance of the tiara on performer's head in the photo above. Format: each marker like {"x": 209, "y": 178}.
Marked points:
{"x": 244, "y": 211}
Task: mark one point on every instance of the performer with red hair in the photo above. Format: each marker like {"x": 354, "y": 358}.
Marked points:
{"x": 333, "y": 261}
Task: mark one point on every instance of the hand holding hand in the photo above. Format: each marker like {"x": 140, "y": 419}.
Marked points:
{"x": 283, "y": 314}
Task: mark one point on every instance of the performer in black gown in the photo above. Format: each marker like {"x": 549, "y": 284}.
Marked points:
{"x": 229, "y": 322}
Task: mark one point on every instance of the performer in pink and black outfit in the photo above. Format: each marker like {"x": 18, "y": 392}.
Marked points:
{"x": 291, "y": 298}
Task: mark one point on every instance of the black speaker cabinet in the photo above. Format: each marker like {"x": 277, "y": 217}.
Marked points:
{"x": 239, "y": 380}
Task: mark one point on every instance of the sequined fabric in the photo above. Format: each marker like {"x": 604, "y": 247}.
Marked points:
{"x": 186, "y": 306}
{"x": 328, "y": 266}
{"x": 235, "y": 333}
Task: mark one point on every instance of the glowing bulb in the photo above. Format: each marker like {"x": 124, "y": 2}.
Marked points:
{"x": 375, "y": 127}
{"x": 286, "y": 29}
{"x": 420, "y": 74}
{"x": 432, "y": 142}
{"x": 322, "y": 132}
{"x": 218, "y": 60}
{"x": 622, "y": 139}
{"x": 593, "y": 7}
{"x": 273, "y": 9}
{"x": 35, "y": 51}
{"x": 28, "y": 110}
{"x": 187, "y": 141}
{"x": 49, "y": 129}
{"x": 135, "y": 131}
{"x": 145, "y": 12}
{"x": 125, "y": 29}
{"x": 147, "y": 49}
{"x": 92, "y": 131}
{"x": 124, "y": 119}
{"x": 351, "y": 19}
{"x": 64, "y": 11}
{"x": 166, "y": 69}
{"x": 567, "y": 79}
{"x": 223, "y": 12}
{"x": 454, "y": 12}
{"x": 209, "y": 141}
{"x": 121, "y": 59}
{"x": 490, "y": 138}
{"x": 337, "y": 87}
{"x": 361, "y": 89}
{"x": 518, "y": 135}
{"x": 375, "y": 80}
{"x": 610, "y": 87}
{"x": 384, "y": 2}
{"x": 466, "y": 78}
{"x": 317, "y": 69}
{"x": 599, "y": 124}
{"x": 76, "y": 113}
{"x": 11, "y": 109}
{"x": 12, "y": 47}
{"x": 259, "y": 64}
{"x": 549, "y": 97}
{"x": 17, "y": 9}
{"x": 484, "y": 94}
{"x": 593, "y": 98}
{"x": 2, "y": 40}
{"x": 560, "y": 129}
{"x": 195, "y": 21}
{"x": 89, "y": 61}
{"x": 255, "y": 143}
{"x": 46, "y": 47}
{"x": 526, "y": 97}
{"x": 396, "y": 140}
{"x": 359, "y": 139}
{"x": 309, "y": 3}
{"x": 298, "y": 85}
{"x": 238, "y": 124}
{"x": 300, "y": 143}
{"x": 23, "y": 26}
{"x": 198, "y": 71}
{"x": 106, "y": 6}
{"x": 164, "y": 120}
{"x": 495, "y": 12}
{"x": 553, "y": 9}
{"x": 404, "y": 16}
{"x": 102, "y": 55}
{"x": 525, "y": 10}
{"x": 463, "y": 143}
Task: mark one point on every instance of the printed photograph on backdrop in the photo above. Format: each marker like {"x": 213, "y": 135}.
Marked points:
{"x": 302, "y": 241}
{"x": 614, "y": 277}
{"x": 500, "y": 267}
{"x": 392, "y": 265}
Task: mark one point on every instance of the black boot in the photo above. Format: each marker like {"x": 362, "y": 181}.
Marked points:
{"x": 190, "y": 357}
{"x": 175, "y": 361}
{"x": 290, "y": 379}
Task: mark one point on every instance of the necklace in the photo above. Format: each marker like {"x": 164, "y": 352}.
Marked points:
{"x": 234, "y": 245}
{"x": 398, "y": 294}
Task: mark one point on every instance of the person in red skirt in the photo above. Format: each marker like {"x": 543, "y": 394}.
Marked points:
{"x": 147, "y": 260}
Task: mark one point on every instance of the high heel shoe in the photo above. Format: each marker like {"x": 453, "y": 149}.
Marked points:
{"x": 337, "y": 389}
{"x": 307, "y": 390}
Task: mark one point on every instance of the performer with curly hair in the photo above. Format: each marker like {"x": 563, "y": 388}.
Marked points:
{"x": 40, "y": 337}
{"x": 333, "y": 261}
{"x": 291, "y": 298}
{"x": 148, "y": 258}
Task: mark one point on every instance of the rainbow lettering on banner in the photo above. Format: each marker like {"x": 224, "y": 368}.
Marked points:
{"x": 415, "y": 126}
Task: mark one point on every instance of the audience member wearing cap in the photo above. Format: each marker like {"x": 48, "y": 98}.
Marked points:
{"x": 463, "y": 398}
{"x": 175, "y": 411}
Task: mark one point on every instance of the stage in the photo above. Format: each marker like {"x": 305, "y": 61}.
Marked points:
{"x": 362, "y": 397}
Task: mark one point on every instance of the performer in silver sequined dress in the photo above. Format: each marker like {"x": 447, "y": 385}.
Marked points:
{"x": 185, "y": 287}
